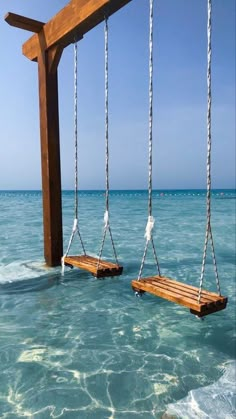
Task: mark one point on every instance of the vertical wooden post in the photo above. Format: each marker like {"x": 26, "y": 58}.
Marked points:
{"x": 50, "y": 154}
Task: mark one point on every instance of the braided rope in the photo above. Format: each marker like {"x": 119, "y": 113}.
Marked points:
{"x": 150, "y": 108}
{"x": 143, "y": 260}
{"x": 75, "y": 228}
{"x": 150, "y": 222}
{"x": 208, "y": 234}
{"x": 106, "y": 114}
{"x": 106, "y": 215}
{"x": 76, "y": 125}
{"x": 156, "y": 259}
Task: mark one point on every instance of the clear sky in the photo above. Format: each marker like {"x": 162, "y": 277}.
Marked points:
{"x": 180, "y": 99}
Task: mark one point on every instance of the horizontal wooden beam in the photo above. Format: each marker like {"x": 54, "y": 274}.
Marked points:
{"x": 71, "y": 23}
{"x": 23, "y": 22}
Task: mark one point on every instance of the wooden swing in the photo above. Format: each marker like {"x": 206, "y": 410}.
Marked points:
{"x": 95, "y": 265}
{"x": 200, "y": 302}
{"x": 182, "y": 294}
{"x": 91, "y": 264}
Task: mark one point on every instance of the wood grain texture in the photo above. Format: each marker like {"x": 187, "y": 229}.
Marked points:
{"x": 182, "y": 294}
{"x": 88, "y": 263}
{"x": 23, "y": 22}
{"x": 50, "y": 159}
{"x": 71, "y": 23}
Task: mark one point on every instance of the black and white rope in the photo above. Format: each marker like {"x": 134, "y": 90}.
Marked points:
{"x": 150, "y": 109}
{"x": 151, "y": 221}
{"x": 106, "y": 113}
{"x": 75, "y": 228}
{"x": 106, "y": 215}
{"x": 76, "y": 125}
{"x": 208, "y": 235}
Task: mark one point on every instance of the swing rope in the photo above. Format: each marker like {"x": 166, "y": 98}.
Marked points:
{"x": 208, "y": 235}
{"x": 75, "y": 228}
{"x": 151, "y": 220}
{"x": 106, "y": 214}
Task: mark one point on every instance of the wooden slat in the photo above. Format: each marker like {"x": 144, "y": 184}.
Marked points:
{"x": 23, "y": 22}
{"x": 210, "y": 310}
{"x": 90, "y": 264}
{"x": 182, "y": 285}
{"x": 181, "y": 288}
{"x": 94, "y": 261}
{"x": 171, "y": 296}
{"x": 182, "y": 294}
{"x": 180, "y": 291}
{"x": 73, "y": 21}
{"x": 189, "y": 291}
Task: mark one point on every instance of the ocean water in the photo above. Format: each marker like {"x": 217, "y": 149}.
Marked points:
{"x": 78, "y": 347}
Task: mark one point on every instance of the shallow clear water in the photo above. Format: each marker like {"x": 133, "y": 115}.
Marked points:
{"x": 77, "y": 347}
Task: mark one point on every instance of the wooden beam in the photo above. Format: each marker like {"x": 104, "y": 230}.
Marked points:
{"x": 54, "y": 56}
{"x": 72, "y": 22}
{"x": 50, "y": 156}
{"x": 23, "y": 22}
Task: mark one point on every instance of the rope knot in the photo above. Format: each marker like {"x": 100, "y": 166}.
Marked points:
{"x": 149, "y": 228}
{"x": 63, "y": 265}
{"x": 106, "y": 220}
{"x": 75, "y": 225}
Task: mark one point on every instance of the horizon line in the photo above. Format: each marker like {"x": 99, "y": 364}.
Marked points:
{"x": 118, "y": 189}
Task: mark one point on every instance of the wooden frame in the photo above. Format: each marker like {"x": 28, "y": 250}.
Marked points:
{"x": 98, "y": 268}
{"x": 182, "y": 294}
{"x": 46, "y": 47}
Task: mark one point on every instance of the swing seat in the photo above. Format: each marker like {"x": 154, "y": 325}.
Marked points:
{"x": 91, "y": 264}
{"x": 182, "y": 294}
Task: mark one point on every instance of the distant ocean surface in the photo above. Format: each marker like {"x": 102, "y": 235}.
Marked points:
{"x": 78, "y": 347}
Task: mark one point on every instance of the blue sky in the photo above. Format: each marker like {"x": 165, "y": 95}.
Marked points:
{"x": 179, "y": 134}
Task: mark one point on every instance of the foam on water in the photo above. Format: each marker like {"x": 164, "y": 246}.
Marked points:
{"x": 18, "y": 271}
{"x": 216, "y": 401}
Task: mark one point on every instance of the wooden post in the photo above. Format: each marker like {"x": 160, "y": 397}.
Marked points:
{"x": 50, "y": 156}
{"x": 71, "y": 23}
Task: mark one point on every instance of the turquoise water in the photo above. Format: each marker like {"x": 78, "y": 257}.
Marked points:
{"x": 77, "y": 347}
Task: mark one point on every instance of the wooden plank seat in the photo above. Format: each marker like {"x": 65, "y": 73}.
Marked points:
{"x": 182, "y": 294}
{"x": 90, "y": 264}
